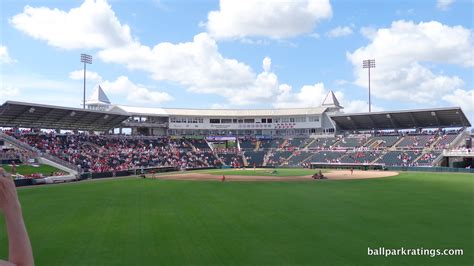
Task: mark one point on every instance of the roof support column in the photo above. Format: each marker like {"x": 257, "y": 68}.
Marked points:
{"x": 415, "y": 122}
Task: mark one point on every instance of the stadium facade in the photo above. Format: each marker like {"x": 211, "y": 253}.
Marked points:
{"x": 215, "y": 122}
{"x": 174, "y": 138}
{"x": 101, "y": 115}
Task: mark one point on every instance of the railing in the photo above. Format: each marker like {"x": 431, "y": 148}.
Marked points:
{"x": 458, "y": 153}
{"x": 19, "y": 143}
{"x": 458, "y": 139}
{"x": 25, "y": 146}
{"x": 431, "y": 169}
{"x": 144, "y": 124}
{"x": 60, "y": 161}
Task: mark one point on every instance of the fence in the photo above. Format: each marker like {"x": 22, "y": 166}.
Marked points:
{"x": 431, "y": 169}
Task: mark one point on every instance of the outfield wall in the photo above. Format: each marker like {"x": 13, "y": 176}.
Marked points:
{"x": 431, "y": 169}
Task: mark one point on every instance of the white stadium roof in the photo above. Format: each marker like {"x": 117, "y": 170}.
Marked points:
{"x": 329, "y": 101}
{"x": 247, "y": 112}
{"x": 221, "y": 112}
{"x": 134, "y": 110}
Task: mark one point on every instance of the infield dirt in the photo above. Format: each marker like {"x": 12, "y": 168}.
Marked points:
{"x": 331, "y": 175}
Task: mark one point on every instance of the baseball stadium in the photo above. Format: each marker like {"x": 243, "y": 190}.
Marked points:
{"x": 227, "y": 132}
{"x": 121, "y": 185}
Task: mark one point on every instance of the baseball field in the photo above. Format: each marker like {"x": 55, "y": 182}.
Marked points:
{"x": 183, "y": 221}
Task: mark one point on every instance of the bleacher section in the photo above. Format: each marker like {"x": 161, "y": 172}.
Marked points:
{"x": 382, "y": 141}
{"x": 277, "y": 158}
{"x": 231, "y": 159}
{"x": 399, "y": 158}
{"x": 116, "y": 153}
{"x": 296, "y": 143}
{"x": 417, "y": 141}
{"x": 247, "y": 144}
{"x": 255, "y": 158}
{"x": 269, "y": 144}
{"x": 106, "y": 153}
{"x": 326, "y": 157}
{"x": 200, "y": 144}
{"x": 351, "y": 142}
{"x": 299, "y": 157}
{"x": 322, "y": 143}
{"x": 445, "y": 141}
{"x": 360, "y": 157}
{"x": 427, "y": 158}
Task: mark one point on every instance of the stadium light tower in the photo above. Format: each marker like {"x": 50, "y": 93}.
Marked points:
{"x": 86, "y": 59}
{"x": 369, "y": 63}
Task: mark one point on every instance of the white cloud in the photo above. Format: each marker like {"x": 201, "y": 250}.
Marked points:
{"x": 36, "y": 82}
{"x": 36, "y": 88}
{"x": 197, "y": 64}
{"x": 90, "y": 75}
{"x": 92, "y": 25}
{"x": 6, "y": 93}
{"x": 267, "y": 64}
{"x": 144, "y": 95}
{"x": 314, "y": 35}
{"x": 443, "y": 4}
{"x": 134, "y": 92}
{"x": 368, "y": 32}
{"x": 200, "y": 67}
{"x": 219, "y": 106}
{"x": 341, "y": 82}
{"x": 4, "y": 56}
{"x": 252, "y": 41}
{"x": 461, "y": 98}
{"x": 307, "y": 96}
{"x": 267, "y": 18}
{"x": 401, "y": 54}
{"x": 124, "y": 87}
{"x": 314, "y": 95}
{"x": 262, "y": 89}
{"x": 358, "y": 106}
{"x": 340, "y": 32}
{"x": 405, "y": 12}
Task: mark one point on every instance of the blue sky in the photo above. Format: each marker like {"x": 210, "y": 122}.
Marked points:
{"x": 240, "y": 54}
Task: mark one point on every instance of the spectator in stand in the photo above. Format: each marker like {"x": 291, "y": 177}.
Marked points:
{"x": 109, "y": 153}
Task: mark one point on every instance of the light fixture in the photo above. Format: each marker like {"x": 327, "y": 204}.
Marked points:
{"x": 370, "y": 63}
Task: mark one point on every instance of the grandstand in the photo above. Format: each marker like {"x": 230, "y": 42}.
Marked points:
{"x": 92, "y": 141}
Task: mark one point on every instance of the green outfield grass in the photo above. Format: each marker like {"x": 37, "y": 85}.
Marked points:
{"x": 137, "y": 221}
{"x": 25, "y": 169}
